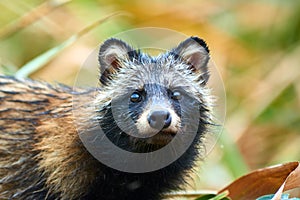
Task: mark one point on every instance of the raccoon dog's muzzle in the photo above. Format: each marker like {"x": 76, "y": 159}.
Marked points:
{"x": 159, "y": 123}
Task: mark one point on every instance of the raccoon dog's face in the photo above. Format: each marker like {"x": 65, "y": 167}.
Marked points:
{"x": 145, "y": 101}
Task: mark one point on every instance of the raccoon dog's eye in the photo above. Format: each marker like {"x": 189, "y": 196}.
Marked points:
{"x": 135, "y": 97}
{"x": 176, "y": 95}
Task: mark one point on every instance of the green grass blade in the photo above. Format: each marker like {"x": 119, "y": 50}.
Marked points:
{"x": 30, "y": 17}
{"x": 232, "y": 156}
{"x": 38, "y": 62}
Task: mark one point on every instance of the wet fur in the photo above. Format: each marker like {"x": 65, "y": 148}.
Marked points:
{"x": 42, "y": 157}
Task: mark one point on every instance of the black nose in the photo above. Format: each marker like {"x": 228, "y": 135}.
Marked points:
{"x": 159, "y": 119}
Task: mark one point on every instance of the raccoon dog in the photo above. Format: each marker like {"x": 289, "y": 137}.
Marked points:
{"x": 143, "y": 105}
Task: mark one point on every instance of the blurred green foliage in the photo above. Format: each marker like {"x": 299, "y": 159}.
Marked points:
{"x": 255, "y": 45}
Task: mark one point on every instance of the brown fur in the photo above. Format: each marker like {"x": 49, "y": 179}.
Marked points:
{"x": 37, "y": 129}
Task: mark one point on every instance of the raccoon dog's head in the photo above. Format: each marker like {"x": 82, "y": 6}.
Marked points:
{"x": 144, "y": 101}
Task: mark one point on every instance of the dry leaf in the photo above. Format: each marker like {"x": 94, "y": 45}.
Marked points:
{"x": 291, "y": 182}
{"x": 269, "y": 180}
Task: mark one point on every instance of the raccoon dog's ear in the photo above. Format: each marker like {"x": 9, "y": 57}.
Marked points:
{"x": 195, "y": 53}
{"x": 113, "y": 52}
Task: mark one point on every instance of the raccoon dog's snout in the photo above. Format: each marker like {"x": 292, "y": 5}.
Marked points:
{"x": 159, "y": 119}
